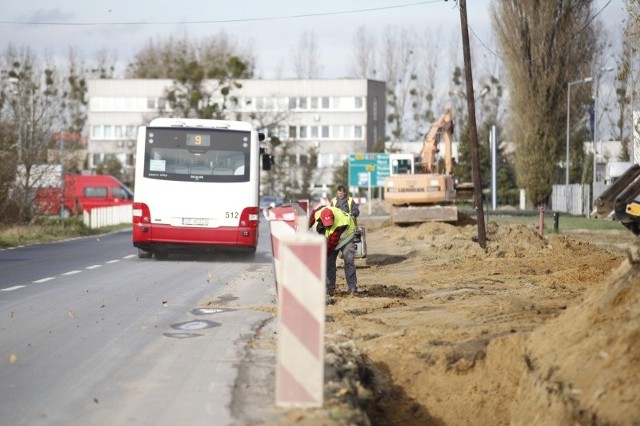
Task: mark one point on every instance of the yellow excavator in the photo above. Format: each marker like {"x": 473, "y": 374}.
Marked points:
{"x": 427, "y": 195}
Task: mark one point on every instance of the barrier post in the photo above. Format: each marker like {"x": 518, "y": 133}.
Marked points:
{"x": 282, "y": 222}
{"x": 301, "y": 321}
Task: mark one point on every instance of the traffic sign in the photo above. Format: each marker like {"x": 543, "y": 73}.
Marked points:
{"x": 365, "y": 167}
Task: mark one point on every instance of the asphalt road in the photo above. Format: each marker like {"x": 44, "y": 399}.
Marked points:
{"x": 92, "y": 335}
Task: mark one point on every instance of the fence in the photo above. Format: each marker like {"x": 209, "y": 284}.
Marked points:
{"x": 575, "y": 199}
{"x": 108, "y": 216}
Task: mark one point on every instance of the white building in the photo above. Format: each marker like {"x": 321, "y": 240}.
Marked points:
{"x": 337, "y": 117}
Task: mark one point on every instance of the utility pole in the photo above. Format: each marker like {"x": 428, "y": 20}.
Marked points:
{"x": 471, "y": 104}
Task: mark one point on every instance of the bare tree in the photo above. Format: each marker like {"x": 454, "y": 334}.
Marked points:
{"x": 306, "y": 56}
{"x": 399, "y": 70}
{"x": 205, "y": 73}
{"x": 363, "y": 55}
{"x": 167, "y": 58}
{"x": 425, "y": 92}
{"x": 32, "y": 112}
{"x": 103, "y": 65}
{"x": 74, "y": 95}
{"x": 545, "y": 45}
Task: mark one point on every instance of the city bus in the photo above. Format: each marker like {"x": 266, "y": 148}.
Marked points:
{"x": 196, "y": 186}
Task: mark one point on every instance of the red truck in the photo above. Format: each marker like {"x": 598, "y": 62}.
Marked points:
{"x": 83, "y": 192}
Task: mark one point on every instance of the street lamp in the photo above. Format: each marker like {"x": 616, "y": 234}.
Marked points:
{"x": 584, "y": 80}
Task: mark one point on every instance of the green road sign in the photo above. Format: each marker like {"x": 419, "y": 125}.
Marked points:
{"x": 368, "y": 166}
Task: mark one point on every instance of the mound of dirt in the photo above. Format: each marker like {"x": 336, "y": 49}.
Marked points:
{"x": 451, "y": 332}
{"x": 530, "y": 330}
{"x": 584, "y": 366}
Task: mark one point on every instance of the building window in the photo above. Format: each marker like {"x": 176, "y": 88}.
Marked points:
{"x": 325, "y": 102}
{"x": 325, "y": 132}
{"x": 151, "y": 103}
{"x": 314, "y": 103}
{"x": 303, "y": 132}
{"x": 357, "y": 132}
{"x": 292, "y": 132}
{"x": 118, "y": 132}
{"x": 335, "y": 103}
{"x": 270, "y": 104}
{"x": 292, "y": 103}
{"x": 162, "y": 103}
{"x": 358, "y": 102}
{"x": 97, "y": 158}
{"x": 302, "y": 103}
{"x": 96, "y": 132}
{"x": 324, "y": 160}
{"x": 375, "y": 109}
{"x": 335, "y": 132}
{"x": 347, "y": 131}
{"x": 314, "y": 131}
{"x": 108, "y": 131}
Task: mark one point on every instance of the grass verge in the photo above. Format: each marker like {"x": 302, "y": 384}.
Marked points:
{"x": 52, "y": 230}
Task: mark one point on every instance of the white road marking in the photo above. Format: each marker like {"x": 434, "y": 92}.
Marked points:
{"x": 15, "y": 287}
{"x": 44, "y": 280}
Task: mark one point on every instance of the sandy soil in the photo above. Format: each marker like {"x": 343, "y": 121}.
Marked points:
{"x": 529, "y": 331}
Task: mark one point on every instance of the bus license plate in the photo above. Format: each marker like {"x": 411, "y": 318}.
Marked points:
{"x": 194, "y": 221}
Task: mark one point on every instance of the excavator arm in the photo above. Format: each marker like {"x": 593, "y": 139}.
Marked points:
{"x": 442, "y": 128}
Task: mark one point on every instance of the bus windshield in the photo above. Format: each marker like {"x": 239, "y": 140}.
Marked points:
{"x": 197, "y": 155}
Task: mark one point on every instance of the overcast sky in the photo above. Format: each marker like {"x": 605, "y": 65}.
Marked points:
{"x": 272, "y": 27}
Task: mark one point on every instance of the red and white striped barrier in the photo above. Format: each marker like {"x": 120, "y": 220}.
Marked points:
{"x": 282, "y": 223}
{"x": 301, "y": 308}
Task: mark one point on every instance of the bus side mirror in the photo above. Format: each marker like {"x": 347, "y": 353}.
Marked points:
{"x": 267, "y": 161}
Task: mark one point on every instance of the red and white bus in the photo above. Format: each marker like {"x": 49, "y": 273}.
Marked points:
{"x": 196, "y": 186}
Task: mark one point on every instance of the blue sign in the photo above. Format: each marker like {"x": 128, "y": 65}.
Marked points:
{"x": 367, "y": 167}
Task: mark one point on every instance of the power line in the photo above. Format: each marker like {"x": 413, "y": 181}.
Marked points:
{"x": 224, "y": 21}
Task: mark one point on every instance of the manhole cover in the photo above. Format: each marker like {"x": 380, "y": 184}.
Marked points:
{"x": 195, "y": 325}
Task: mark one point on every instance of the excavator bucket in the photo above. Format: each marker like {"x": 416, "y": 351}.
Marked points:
{"x": 618, "y": 201}
{"x": 604, "y": 205}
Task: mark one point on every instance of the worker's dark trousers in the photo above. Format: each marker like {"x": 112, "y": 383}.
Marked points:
{"x": 349, "y": 256}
